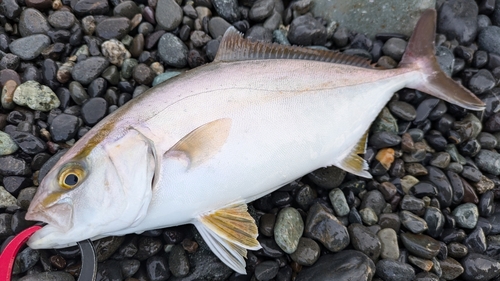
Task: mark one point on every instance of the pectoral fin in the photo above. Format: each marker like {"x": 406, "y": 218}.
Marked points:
{"x": 203, "y": 142}
{"x": 354, "y": 163}
{"x": 230, "y": 232}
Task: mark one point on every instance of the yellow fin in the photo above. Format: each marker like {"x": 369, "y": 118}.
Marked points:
{"x": 204, "y": 142}
{"x": 230, "y": 232}
{"x": 354, "y": 163}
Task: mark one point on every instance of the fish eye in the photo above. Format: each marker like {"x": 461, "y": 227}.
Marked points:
{"x": 71, "y": 175}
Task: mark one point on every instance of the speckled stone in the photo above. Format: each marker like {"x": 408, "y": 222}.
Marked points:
{"x": 466, "y": 215}
{"x": 389, "y": 243}
{"x": 339, "y": 203}
{"x": 307, "y": 252}
{"x": 6, "y": 199}
{"x": 288, "y": 229}
{"x": 36, "y": 96}
{"x": 115, "y": 51}
{"x": 168, "y": 14}
{"x": 7, "y": 145}
{"x": 30, "y": 47}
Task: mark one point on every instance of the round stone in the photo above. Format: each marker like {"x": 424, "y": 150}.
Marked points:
{"x": 94, "y": 110}
{"x": 339, "y": 202}
{"x": 306, "y": 31}
{"x": 63, "y": 127}
{"x": 32, "y": 22}
{"x": 88, "y": 70}
{"x": 288, "y": 229}
{"x": 388, "y": 243}
{"x": 364, "y": 240}
{"x": 115, "y": 51}
{"x": 7, "y": 145}
{"x": 420, "y": 245}
{"x": 488, "y": 161}
{"x": 113, "y": 28}
{"x": 168, "y": 14}
{"x": 62, "y": 19}
{"x": 307, "y": 252}
{"x": 323, "y": 226}
{"x": 172, "y": 50}
{"x": 30, "y": 47}
{"x": 391, "y": 270}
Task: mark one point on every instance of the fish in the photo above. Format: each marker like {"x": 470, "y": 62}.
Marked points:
{"x": 199, "y": 147}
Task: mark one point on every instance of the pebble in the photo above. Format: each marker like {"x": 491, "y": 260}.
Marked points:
{"x": 481, "y": 82}
{"x": 435, "y": 221}
{"x": 307, "y": 252}
{"x": 217, "y": 26}
{"x": 10, "y": 9}
{"x": 88, "y": 70}
{"x": 115, "y": 51}
{"x": 420, "y": 245}
{"x": 476, "y": 241}
{"x": 339, "y": 203}
{"x": 362, "y": 239}
{"x": 445, "y": 191}
{"x": 143, "y": 74}
{"x": 32, "y": 22}
{"x": 383, "y": 139}
{"x": 12, "y": 166}
{"x": 391, "y": 270}
{"x": 440, "y": 160}
{"x": 402, "y": 110}
{"x": 345, "y": 265}
{"x": 261, "y": 10}
{"x": 90, "y": 7}
{"x": 172, "y": 50}
{"x": 479, "y": 267}
{"x": 288, "y": 229}
{"x": 28, "y": 143}
{"x": 385, "y": 122}
{"x": 6, "y": 199}
{"x": 457, "y": 250}
{"x": 178, "y": 262}
{"x": 488, "y": 161}
{"x": 413, "y": 222}
{"x": 324, "y": 227}
{"x": 451, "y": 269}
{"x": 62, "y": 19}
{"x": 388, "y": 243}
{"x": 466, "y": 215}
{"x": 369, "y": 216}
{"x": 93, "y": 110}
{"x": 327, "y": 178}
{"x": 157, "y": 268}
{"x": 227, "y": 9}
{"x": 30, "y": 47}
{"x": 35, "y": 96}
{"x": 7, "y": 145}
{"x": 394, "y": 48}
{"x": 48, "y": 276}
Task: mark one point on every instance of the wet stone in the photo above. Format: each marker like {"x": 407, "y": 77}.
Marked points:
{"x": 487, "y": 140}
{"x": 288, "y": 229}
{"x": 328, "y": 178}
{"x": 412, "y": 204}
{"x": 266, "y": 270}
{"x": 339, "y": 202}
{"x": 439, "y": 179}
{"x": 413, "y": 222}
{"x": 402, "y": 110}
{"x": 148, "y": 247}
{"x": 346, "y": 265}
{"x": 488, "y": 161}
{"x": 394, "y": 48}
{"x": 107, "y": 246}
{"x": 129, "y": 267}
{"x": 324, "y": 227}
{"x": 178, "y": 261}
{"x": 391, "y": 270}
{"x": 488, "y": 39}
{"x": 94, "y": 110}
{"x": 420, "y": 245}
{"x": 466, "y": 215}
{"x": 26, "y": 259}
{"x": 471, "y": 173}
{"x": 476, "y": 241}
{"x": 374, "y": 200}
{"x": 35, "y": 96}
{"x": 88, "y": 70}
{"x": 306, "y": 31}
{"x": 480, "y": 267}
{"x": 365, "y": 241}
{"x": 383, "y": 139}
{"x": 457, "y": 250}
{"x": 77, "y": 92}
{"x": 369, "y": 216}
{"x": 307, "y": 252}
{"x": 486, "y": 205}
{"x": 435, "y": 221}
{"x": 451, "y": 269}
{"x": 143, "y": 74}
{"x": 440, "y": 160}
{"x": 157, "y": 268}
{"x": 53, "y": 275}
{"x": 424, "y": 188}
{"x": 482, "y": 81}
{"x": 385, "y": 122}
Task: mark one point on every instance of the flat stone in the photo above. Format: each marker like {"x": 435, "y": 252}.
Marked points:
{"x": 391, "y": 270}
{"x": 88, "y": 70}
{"x": 389, "y": 244}
{"x": 30, "y": 47}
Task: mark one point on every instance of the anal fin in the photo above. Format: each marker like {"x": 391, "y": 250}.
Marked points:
{"x": 354, "y": 163}
{"x": 230, "y": 232}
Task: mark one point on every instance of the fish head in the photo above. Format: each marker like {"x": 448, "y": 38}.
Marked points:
{"x": 94, "y": 191}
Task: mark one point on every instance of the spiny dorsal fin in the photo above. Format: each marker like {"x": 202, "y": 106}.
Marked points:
{"x": 203, "y": 142}
{"x": 230, "y": 232}
{"x": 354, "y": 163}
{"x": 234, "y": 47}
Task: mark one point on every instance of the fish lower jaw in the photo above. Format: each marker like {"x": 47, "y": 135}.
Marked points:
{"x": 48, "y": 237}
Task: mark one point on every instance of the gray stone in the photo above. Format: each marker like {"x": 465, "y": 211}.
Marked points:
{"x": 115, "y": 51}
{"x": 323, "y": 226}
{"x": 6, "y": 199}
{"x": 33, "y": 22}
{"x": 168, "y": 14}
{"x": 389, "y": 244}
{"x": 48, "y": 276}
{"x": 328, "y": 177}
{"x": 217, "y": 26}
{"x": 420, "y": 245}
{"x": 36, "y": 96}
{"x": 373, "y": 17}
{"x": 478, "y": 267}
{"x": 30, "y": 47}
{"x": 88, "y": 70}
{"x": 172, "y": 50}
{"x": 391, "y": 270}
{"x": 227, "y": 9}
{"x": 488, "y": 161}
{"x": 488, "y": 39}
{"x": 288, "y": 229}
{"x": 413, "y": 222}
{"x": 362, "y": 239}
{"x": 307, "y": 252}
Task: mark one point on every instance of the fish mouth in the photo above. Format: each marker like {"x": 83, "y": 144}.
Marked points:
{"x": 58, "y": 216}
{"x": 48, "y": 237}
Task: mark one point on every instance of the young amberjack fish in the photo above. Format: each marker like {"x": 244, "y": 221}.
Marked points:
{"x": 198, "y": 147}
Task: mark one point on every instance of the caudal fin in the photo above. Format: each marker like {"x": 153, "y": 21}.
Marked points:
{"x": 420, "y": 55}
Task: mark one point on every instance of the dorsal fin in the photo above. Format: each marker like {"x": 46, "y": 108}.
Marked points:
{"x": 233, "y": 47}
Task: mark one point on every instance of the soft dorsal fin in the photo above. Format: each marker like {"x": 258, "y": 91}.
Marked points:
{"x": 230, "y": 232}
{"x": 203, "y": 142}
{"x": 233, "y": 47}
{"x": 354, "y": 163}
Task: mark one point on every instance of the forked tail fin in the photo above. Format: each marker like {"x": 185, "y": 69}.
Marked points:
{"x": 420, "y": 55}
